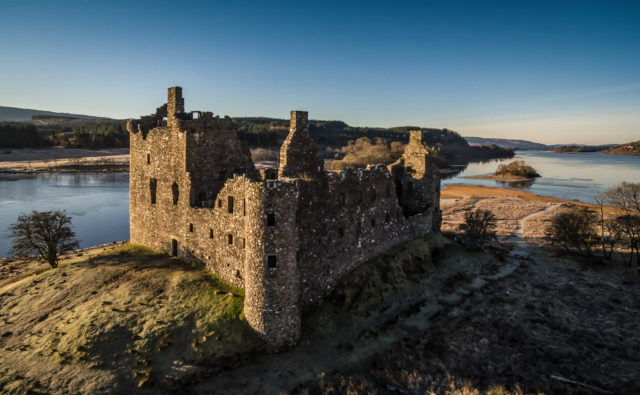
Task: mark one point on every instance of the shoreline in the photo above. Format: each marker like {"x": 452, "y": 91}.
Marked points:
{"x": 63, "y": 160}
{"x": 505, "y": 178}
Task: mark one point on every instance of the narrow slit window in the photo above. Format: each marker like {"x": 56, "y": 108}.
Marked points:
{"x": 210, "y": 233}
{"x": 229, "y": 239}
{"x": 340, "y": 232}
{"x": 148, "y": 159}
{"x": 373, "y": 223}
{"x": 244, "y": 207}
{"x": 373, "y": 195}
{"x": 230, "y": 204}
{"x": 219, "y": 203}
{"x": 244, "y": 243}
{"x": 341, "y": 199}
{"x": 175, "y": 192}
{"x": 153, "y": 186}
{"x": 191, "y": 228}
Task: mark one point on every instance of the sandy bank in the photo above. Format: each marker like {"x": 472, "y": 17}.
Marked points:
{"x": 63, "y": 160}
{"x": 504, "y": 178}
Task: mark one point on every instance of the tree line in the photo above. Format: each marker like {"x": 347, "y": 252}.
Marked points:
{"x": 84, "y": 134}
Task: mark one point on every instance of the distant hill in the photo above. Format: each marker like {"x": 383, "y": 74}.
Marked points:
{"x": 14, "y": 114}
{"x": 579, "y": 148}
{"x": 507, "y": 143}
{"x": 625, "y": 149}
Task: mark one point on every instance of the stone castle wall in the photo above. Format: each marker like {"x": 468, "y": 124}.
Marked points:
{"x": 286, "y": 235}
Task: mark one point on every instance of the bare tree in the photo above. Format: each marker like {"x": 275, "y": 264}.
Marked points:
{"x": 610, "y": 229}
{"x": 44, "y": 234}
{"x": 625, "y": 195}
{"x": 630, "y": 225}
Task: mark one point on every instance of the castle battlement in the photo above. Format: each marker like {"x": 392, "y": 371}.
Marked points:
{"x": 285, "y": 235}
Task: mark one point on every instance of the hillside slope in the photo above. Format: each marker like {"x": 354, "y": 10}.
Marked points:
{"x": 126, "y": 318}
{"x": 625, "y": 149}
{"x": 508, "y": 143}
{"x": 15, "y": 114}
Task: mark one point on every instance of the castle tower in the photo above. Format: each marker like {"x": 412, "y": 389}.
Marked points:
{"x": 175, "y": 102}
{"x": 272, "y": 276}
{"x": 299, "y": 157}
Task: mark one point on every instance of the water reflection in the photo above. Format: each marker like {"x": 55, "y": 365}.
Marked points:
{"x": 516, "y": 184}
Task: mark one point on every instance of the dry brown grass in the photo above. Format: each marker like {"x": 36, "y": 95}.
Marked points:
{"x": 363, "y": 151}
{"x": 117, "y": 320}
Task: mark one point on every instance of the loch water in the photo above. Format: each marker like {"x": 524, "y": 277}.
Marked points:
{"x": 572, "y": 176}
{"x": 99, "y": 203}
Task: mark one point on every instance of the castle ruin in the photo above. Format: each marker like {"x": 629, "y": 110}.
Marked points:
{"x": 284, "y": 235}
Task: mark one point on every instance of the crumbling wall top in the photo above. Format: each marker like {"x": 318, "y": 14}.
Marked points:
{"x": 299, "y": 156}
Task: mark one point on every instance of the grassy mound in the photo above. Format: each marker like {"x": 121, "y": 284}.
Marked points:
{"x": 129, "y": 317}
{"x": 388, "y": 272}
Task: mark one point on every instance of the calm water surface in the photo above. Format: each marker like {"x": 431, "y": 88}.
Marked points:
{"x": 97, "y": 203}
{"x": 566, "y": 176}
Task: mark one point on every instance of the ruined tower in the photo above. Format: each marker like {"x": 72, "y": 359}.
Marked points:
{"x": 286, "y": 235}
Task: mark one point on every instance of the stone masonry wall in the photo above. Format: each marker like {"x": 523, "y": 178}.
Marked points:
{"x": 285, "y": 237}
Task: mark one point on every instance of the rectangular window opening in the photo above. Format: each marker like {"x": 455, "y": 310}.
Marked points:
{"x": 229, "y": 239}
{"x": 148, "y": 159}
{"x": 191, "y": 228}
{"x": 272, "y": 261}
{"x": 271, "y": 219}
{"x": 210, "y": 233}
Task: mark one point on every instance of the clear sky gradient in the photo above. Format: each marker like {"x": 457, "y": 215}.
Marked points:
{"x": 547, "y": 71}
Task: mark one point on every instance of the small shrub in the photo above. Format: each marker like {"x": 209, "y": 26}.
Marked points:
{"x": 517, "y": 168}
{"x": 478, "y": 227}
{"x": 574, "y": 230}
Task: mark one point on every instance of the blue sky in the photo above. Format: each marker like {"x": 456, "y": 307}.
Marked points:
{"x": 548, "y": 71}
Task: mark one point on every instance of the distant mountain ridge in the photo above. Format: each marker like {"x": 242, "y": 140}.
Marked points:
{"x": 508, "y": 143}
{"x": 15, "y": 114}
